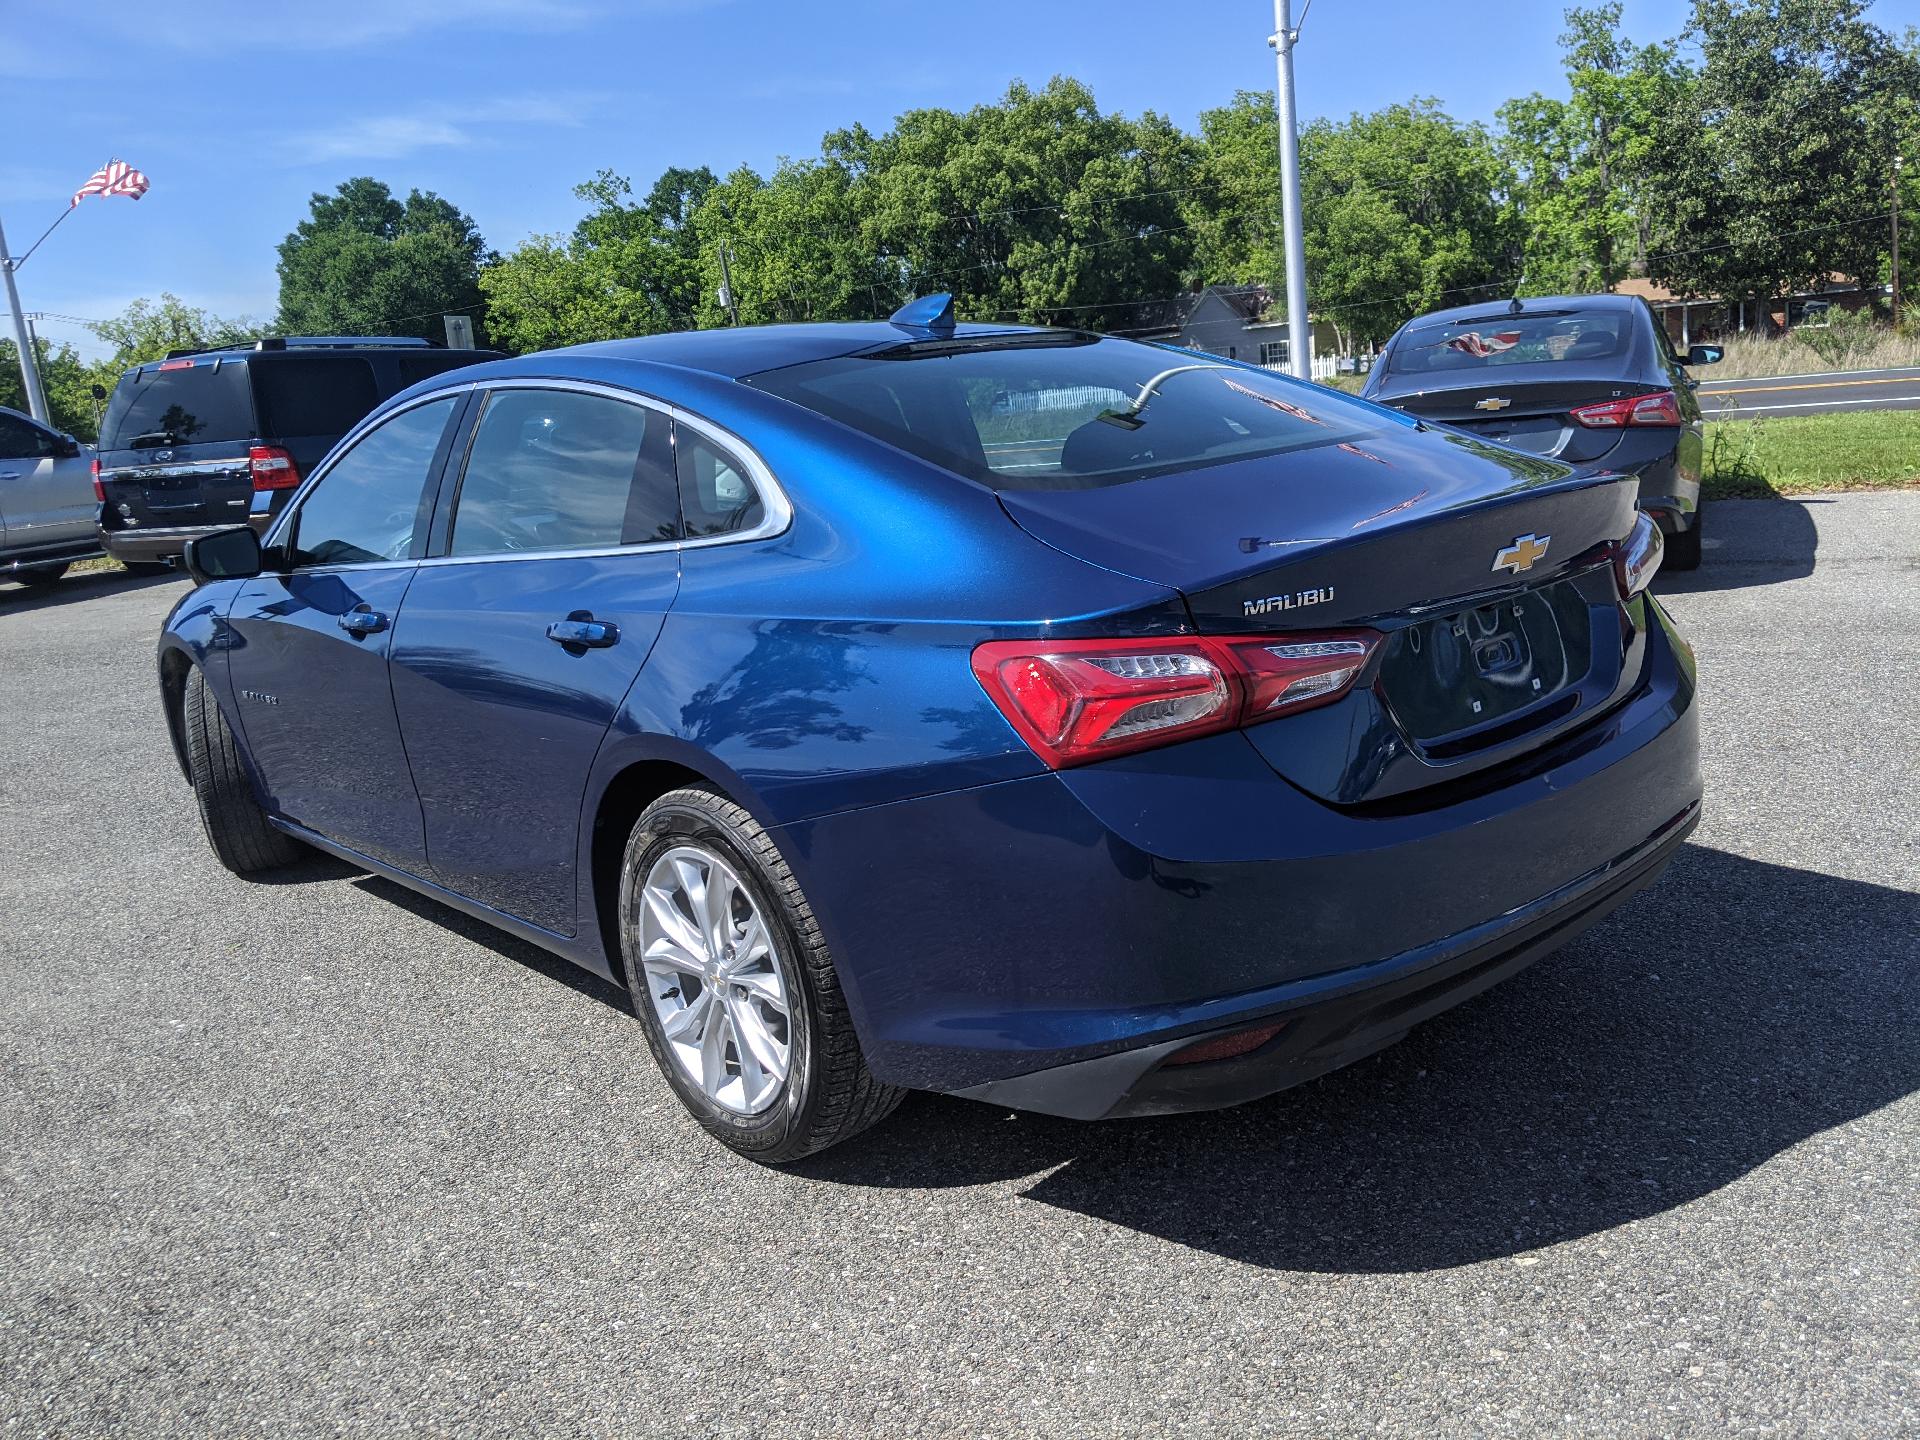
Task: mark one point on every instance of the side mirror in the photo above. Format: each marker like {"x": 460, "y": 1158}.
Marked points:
{"x": 232, "y": 554}
{"x": 1704, "y": 354}
{"x": 66, "y": 447}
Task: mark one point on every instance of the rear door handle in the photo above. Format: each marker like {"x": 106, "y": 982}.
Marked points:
{"x": 9, "y": 474}
{"x": 581, "y": 631}
{"x": 363, "y": 621}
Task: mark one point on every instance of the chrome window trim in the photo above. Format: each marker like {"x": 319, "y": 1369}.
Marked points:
{"x": 773, "y": 496}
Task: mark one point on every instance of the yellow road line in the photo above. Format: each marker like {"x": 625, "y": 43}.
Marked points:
{"x": 1813, "y": 385}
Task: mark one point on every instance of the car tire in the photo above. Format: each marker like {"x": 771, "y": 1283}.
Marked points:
{"x": 1683, "y": 546}
{"x": 236, "y": 826}
{"x": 40, "y": 579}
{"x": 144, "y": 568}
{"x": 826, "y": 1094}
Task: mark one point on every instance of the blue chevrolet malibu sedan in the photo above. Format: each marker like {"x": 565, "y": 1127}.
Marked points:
{"x": 1075, "y": 724}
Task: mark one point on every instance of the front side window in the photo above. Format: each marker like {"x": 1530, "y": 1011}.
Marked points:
{"x": 22, "y": 441}
{"x": 562, "y": 470}
{"x": 367, "y": 506}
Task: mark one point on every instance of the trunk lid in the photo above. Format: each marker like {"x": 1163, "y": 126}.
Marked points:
{"x": 1488, "y": 573}
{"x": 1508, "y": 406}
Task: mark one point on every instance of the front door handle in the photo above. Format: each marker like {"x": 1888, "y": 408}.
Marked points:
{"x": 580, "y": 631}
{"x": 363, "y": 621}
{"x": 9, "y": 474}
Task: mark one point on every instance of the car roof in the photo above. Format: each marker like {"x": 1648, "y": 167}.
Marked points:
{"x": 749, "y": 349}
{"x": 1529, "y": 304}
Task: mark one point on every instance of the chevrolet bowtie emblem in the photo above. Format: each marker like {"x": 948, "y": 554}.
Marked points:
{"x": 1492, "y": 402}
{"x": 1521, "y": 554}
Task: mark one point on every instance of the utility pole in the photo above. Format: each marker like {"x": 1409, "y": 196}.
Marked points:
{"x": 726, "y": 285}
{"x": 1299, "y": 332}
{"x": 1896, "y": 239}
{"x": 29, "y": 368}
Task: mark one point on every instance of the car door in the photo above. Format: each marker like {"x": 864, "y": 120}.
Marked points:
{"x": 555, "y": 561}
{"x": 46, "y": 491}
{"x": 309, "y": 641}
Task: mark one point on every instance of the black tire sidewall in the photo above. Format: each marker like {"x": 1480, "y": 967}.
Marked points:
{"x": 677, "y": 822}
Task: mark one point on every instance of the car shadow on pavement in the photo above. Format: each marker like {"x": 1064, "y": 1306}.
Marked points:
{"x": 1736, "y": 1009}
{"x": 17, "y": 599}
{"x": 1749, "y": 542}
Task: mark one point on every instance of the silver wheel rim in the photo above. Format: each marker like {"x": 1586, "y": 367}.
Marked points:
{"x": 713, "y": 980}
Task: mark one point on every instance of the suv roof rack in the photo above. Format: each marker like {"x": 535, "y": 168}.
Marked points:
{"x": 312, "y": 342}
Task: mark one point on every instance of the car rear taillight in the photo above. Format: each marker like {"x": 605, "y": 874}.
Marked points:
{"x": 1659, "y": 408}
{"x": 99, "y": 490}
{"x": 1076, "y": 701}
{"x": 1638, "y": 557}
{"x": 273, "y": 468}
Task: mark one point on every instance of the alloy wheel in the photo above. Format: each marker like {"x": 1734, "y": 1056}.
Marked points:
{"x": 713, "y": 980}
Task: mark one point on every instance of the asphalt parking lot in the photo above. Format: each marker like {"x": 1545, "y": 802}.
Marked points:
{"x": 319, "y": 1156}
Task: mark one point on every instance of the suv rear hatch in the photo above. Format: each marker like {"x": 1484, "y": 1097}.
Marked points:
{"x": 1489, "y": 575}
{"x": 174, "y": 444}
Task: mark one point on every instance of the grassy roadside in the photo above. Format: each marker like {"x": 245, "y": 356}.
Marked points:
{"x": 1808, "y": 454}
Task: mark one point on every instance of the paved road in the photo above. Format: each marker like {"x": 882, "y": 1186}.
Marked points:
{"x": 317, "y": 1157}
{"x": 1829, "y": 392}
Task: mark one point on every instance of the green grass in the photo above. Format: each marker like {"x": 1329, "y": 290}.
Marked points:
{"x": 1808, "y": 454}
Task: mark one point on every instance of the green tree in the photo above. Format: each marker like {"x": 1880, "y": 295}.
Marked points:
{"x": 1401, "y": 216}
{"x": 1772, "y": 170}
{"x": 366, "y": 263}
{"x": 66, "y": 379}
{"x": 1579, "y": 170}
{"x": 148, "y": 329}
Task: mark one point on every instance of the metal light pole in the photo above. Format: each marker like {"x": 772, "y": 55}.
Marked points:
{"x": 1299, "y": 333}
{"x": 1897, "y": 162}
{"x": 29, "y": 368}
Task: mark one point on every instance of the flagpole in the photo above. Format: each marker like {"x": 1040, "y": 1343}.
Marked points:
{"x": 43, "y": 237}
{"x": 29, "y": 369}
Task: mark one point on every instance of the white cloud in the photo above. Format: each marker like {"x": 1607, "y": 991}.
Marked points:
{"x": 391, "y": 136}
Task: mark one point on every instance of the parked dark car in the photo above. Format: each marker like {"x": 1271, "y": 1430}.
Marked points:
{"x": 1062, "y": 721}
{"x": 206, "y": 438}
{"x": 46, "y": 507}
{"x": 1588, "y": 379}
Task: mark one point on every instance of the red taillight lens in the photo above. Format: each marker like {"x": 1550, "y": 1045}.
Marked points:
{"x": 99, "y": 490}
{"x": 1659, "y": 408}
{"x": 273, "y": 468}
{"x": 1076, "y": 701}
{"x": 1080, "y": 700}
{"x": 1638, "y": 558}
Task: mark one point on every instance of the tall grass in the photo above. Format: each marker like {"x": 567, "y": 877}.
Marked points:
{"x": 1849, "y": 343}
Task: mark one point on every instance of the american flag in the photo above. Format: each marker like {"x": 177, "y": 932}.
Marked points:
{"x": 116, "y": 177}
{"x": 1480, "y": 346}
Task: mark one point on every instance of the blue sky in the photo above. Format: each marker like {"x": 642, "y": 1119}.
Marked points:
{"x": 503, "y": 105}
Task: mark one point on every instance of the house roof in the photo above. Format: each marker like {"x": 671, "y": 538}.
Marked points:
{"x": 1155, "y": 317}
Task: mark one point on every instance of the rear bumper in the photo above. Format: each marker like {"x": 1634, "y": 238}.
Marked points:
{"x": 1122, "y": 911}
{"x": 1342, "y": 1018}
{"x": 142, "y": 545}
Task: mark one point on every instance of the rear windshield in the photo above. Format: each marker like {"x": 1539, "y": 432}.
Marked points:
{"x": 1061, "y": 412}
{"x": 304, "y": 395}
{"x": 192, "y": 402}
{"x": 1546, "y": 337}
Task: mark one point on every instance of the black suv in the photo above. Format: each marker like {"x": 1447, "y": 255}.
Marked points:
{"x": 207, "y": 438}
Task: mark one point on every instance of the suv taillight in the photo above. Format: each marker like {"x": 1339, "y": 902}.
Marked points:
{"x": 273, "y": 468}
{"x": 1076, "y": 701}
{"x": 1659, "y": 408}
{"x": 99, "y": 490}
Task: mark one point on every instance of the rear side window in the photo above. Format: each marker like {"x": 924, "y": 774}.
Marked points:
{"x": 180, "y": 402}
{"x": 367, "y": 506}
{"x": 1500, "y": 340}
{"x": 303, "y": 395}
{"x": 561, "y": 470}
{"x": 716, "y": 496}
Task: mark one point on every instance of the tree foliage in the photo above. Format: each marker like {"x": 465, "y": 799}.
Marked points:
{"x": 366, "y": 263}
